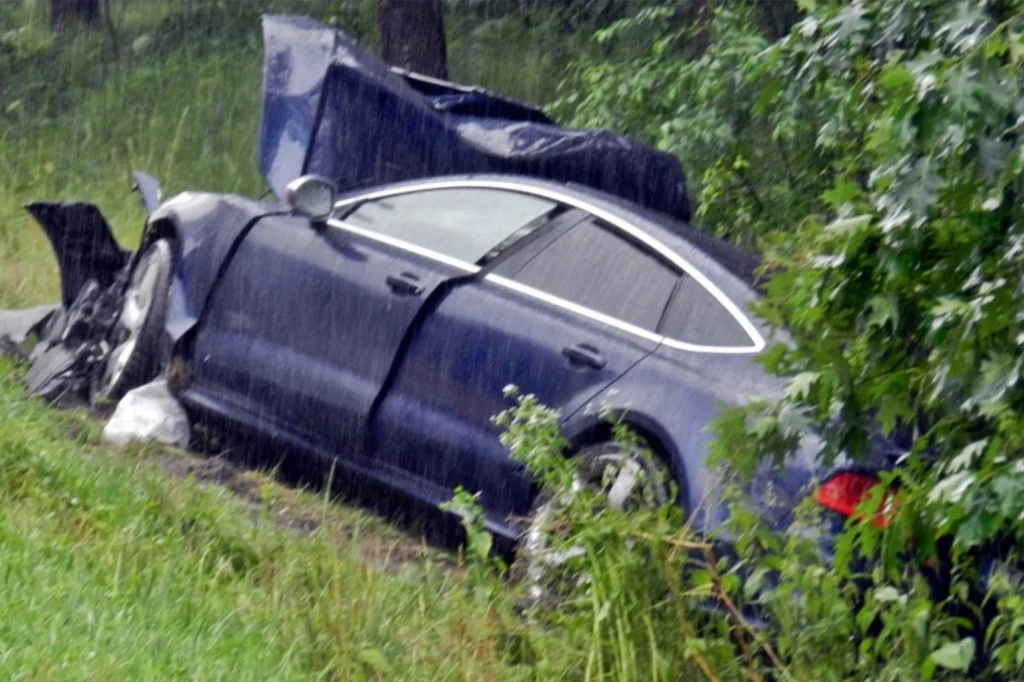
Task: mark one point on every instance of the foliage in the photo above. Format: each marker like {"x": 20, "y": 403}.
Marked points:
{"x": 617, "y": 591}
{"x": 650, "y": 600}
{"x": 479, "y": 543}
{"x": 749, "y": 166}
{"x": 874, "y": 156}
{"x": 900, "y": 289}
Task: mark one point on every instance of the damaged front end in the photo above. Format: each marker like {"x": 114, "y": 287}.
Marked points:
{"x": 66, "y": 343}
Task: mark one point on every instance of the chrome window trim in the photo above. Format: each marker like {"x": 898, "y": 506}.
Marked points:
{"x": 527, "y": 290}
{"x": 408, "y": 246}
{"x": 613, "y": 220}
{"x": 614, "y": 322}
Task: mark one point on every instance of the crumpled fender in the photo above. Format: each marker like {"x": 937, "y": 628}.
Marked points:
{"x": 82, "y": 242}
{"x": 206, "y": 229}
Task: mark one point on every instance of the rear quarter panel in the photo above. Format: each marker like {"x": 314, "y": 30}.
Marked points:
{"x": 671, "y": 398}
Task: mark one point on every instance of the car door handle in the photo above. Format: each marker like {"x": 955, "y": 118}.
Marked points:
{"x": 584, "y": 355}
{"x": 406, "y": 284}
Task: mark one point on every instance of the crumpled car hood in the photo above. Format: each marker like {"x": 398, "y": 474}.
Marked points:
{"x": 333, "y": 109}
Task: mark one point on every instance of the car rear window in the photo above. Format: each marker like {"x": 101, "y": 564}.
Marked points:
{"x": 695, "y": 316}
{"x": 593, "y": 267}
{"x": 465, "y": 223}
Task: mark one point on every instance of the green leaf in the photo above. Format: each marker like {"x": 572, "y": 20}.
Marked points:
{"x": 1009, "y": 491}
{"x": 955, "y": 655}
{"x": 753, "y": 585}
{"x": 896, "y": 76}
{"x": 979, "y": 528}
{"x": 952, "y": 488}
{"x": 841, "y": 193}
{"x": 961, "y": 86}
{"x": 884, "y": 311}
{"x": 800, "y": 386}
{"x": 893, "y": 407}
{"x": 996, "y": 46}
{"x": 918, "y": 190}
{"x": 999, "y": 373}
{"x": 966, "y": 456}
{"x": 849, "y": 22}
{"x": 482, "y": 546}
{"x": 849, "y": 226}
{"x": 889, "y": 594}
{"x": 1017, "y": 48}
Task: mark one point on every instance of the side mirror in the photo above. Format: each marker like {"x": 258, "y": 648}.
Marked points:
{"x": 311, "y": 195}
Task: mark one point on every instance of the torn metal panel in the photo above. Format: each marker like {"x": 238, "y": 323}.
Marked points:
{"x": 73, "y": 342}
{"x": 17, "y": 327}
{"x": 82, "y": 242}
{"x": 333, "y": 109}
{"x": 148, "y": 188}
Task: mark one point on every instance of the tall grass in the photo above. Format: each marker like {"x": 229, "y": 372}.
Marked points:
{"x": 182, "y": 101}
{"x": 111, "y": 569}
{"x": 190, "y": 118}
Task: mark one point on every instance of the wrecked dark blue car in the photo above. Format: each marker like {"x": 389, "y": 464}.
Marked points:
{"x": 430, "y": 244}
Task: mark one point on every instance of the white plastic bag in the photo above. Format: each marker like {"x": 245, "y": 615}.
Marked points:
{"x": 147, "y": 413}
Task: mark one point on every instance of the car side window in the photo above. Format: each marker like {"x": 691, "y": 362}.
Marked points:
{"x": 695, "y": 316}
{"x": 465, "y": 223}
{"x": 597, "y": 268}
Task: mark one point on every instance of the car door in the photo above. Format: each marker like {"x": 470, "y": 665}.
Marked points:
{"x": 561, "y": 317}
{"x": 306, "y": 323}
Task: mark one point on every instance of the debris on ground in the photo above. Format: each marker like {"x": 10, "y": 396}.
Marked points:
{"x": 17, "y": 327}
{"x": 63, "y": 344}
{"x": 148, "y": 413}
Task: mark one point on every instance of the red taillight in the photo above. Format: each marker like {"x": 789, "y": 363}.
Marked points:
{"x": 845, "y": 491}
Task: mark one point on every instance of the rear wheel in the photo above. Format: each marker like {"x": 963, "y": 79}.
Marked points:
{"x": 134, "y": 357}
{"x": 629, "y": 479}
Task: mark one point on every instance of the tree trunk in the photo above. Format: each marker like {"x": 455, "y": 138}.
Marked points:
{"x": 697, "y": 14}
{"x": 779, "y": 17}
{"x": 85, "y": 12}
{"x": 412, "y": 36}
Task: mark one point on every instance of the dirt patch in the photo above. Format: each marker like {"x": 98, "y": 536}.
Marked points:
{"x": 381, "y": 545}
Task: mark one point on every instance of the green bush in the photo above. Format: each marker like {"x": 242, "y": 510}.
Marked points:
{"x": 751, "y": 167}
{"x": 645, "y": 598}
{"x": 874, "y": 157}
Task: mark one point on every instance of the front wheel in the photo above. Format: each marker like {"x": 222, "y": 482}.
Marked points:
{"x": 134, "y": 357}
{"x": 628, "y": 478}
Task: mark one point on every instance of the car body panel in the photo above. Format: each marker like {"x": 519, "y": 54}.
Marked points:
{"x": 305, "y": 326}
{"x": 481, "y": 337}
{"x": 82, "y": 242}
{"x": 672, "y": 397}
{"x": 206, "y": 229}
{"x": 298, "y": 330}
{"x": 333, "y": 109}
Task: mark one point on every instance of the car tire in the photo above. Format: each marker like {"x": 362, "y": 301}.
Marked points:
{"x": 642, "y": 479}
{"x": 135, "y": 356}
